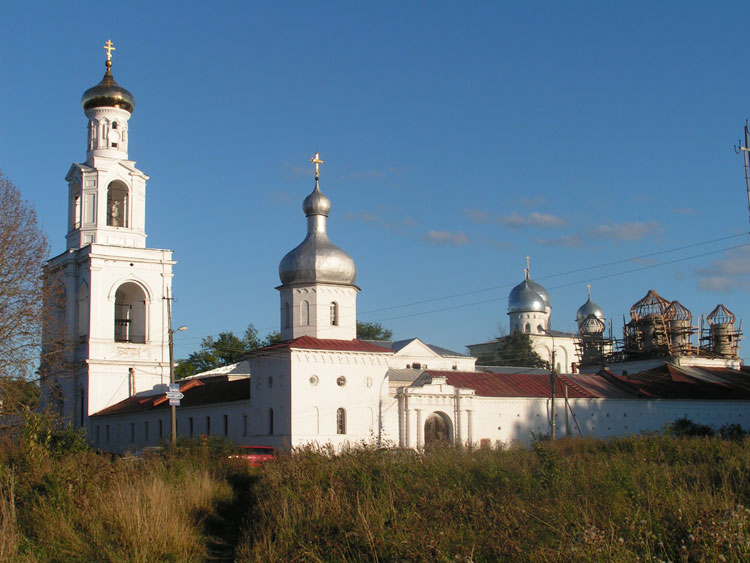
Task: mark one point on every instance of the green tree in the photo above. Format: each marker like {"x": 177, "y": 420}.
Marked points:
{"x": 223, "y": 350}
{"x": 513, "y": 350}
{"x": 18, "y": 394}
{"x": 372, "y": 331}
{"x": 23, "y": 251}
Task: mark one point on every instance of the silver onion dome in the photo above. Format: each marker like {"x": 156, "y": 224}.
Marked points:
{"x": 317, "y": 259}
{"x": 316, "y": 203}
{"x": 589, "y": 308}
{"x": 523, "y": 298}
{"x": 540, "y": 290}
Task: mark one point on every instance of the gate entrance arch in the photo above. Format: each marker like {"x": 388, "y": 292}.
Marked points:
{"x": 438, "y": 430}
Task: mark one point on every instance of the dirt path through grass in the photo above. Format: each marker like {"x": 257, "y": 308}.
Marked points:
{"x": 223, "y": 528}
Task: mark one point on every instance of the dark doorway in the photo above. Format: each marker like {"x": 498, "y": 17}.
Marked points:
{"x": 437, "y": 430}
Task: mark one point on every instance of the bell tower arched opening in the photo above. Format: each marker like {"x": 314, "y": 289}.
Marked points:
{"x": 130, "y": 313}
{"x": 117, "y": 204}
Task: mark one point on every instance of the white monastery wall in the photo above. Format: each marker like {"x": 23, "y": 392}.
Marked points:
{"x": 330, "y": 386}
{"x": 135, "y": 431}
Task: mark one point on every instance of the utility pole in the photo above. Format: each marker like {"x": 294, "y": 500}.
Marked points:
{"x": 170, "y": 332}
{"x": 172, "y": 408}
{"x": 552, "y": 376}
{"x": 744, "y": 150}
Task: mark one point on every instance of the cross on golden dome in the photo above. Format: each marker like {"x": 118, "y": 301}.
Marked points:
{"x": 317, "y": 162}
{"x": 109, "y": 47}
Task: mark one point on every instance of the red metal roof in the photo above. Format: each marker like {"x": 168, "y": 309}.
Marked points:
{"x": 527, "y": 385}
{"x": 197, "y": 392}
{"x": 311, "y": 343}
{"x": 669, "y": 381}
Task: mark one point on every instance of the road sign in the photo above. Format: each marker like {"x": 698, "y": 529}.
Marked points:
{"x": 175, "y": 395}
{"x": 174, "y": 402}
{"x": 174, "y": 387}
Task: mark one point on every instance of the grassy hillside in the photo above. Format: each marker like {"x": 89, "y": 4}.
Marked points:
{"x": 647, "y": 498}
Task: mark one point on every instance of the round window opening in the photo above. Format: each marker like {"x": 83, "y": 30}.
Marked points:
{"x": 314, "y": 380}
{"x": 341, "y": 381}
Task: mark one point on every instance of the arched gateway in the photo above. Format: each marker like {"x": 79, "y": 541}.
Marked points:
{"x": 437, "y": 430}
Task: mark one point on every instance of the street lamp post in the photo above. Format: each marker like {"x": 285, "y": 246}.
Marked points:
{"x": 170, "y": 331}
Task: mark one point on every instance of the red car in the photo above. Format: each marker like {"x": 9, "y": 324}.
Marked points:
{"x": 255, "y": 455}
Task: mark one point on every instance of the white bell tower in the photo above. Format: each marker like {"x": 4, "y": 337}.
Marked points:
{"x": 106, "y": 337}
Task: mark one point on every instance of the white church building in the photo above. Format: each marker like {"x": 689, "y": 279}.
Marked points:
{"x": 106, "y": 348}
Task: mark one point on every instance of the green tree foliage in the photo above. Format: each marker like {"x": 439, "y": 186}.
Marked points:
{"x": 513, "y": 350}
{"x": 373, "y": 331}
{"x": 46, "y": 434}
{"x": 18, "y": 394}
{"x": 225, "y": 349}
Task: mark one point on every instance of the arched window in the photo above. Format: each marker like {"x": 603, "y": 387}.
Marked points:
{"x": 340, "y": 421}
{"x": 83, "y": 310}
{"x": 270, "y": 422}
{"x": 77, "y": 211}
{"x": 117, "y": 205}
{"x": 527, "y": 328}
{"x": 304, "y": 313}
{"x": 286, "y": 316}
{"x": 130, "y": 313}
{"x": 334, "y": 314}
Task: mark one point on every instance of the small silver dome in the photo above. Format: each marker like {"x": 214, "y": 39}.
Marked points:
{"x": 316, "y": 203}
{"x": 523, "y": 299}
{"x": 317, "y": 259}
{"x": 540, "y": 290}
{"x": 589, "y": 308}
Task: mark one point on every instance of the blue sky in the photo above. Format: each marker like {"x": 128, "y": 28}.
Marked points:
{"x": 458, "y": 138}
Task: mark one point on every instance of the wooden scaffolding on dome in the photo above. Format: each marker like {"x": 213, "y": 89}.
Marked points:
{"x": 591, "y": 346}
{"x": 720, "y": 338}
{"x": 647, "y": 334}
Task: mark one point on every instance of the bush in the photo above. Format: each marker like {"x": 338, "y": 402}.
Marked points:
{"x": 46, "y": 434}
{"x": 686, "y": 428}
{"x": 732, "y": 432}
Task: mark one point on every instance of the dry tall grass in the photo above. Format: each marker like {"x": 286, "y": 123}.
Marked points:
{"x": 136, "y": 513}
{"x": 10, "y": 538}
{"x": 644, "y": 498}
{"x": 649, "y": 498}
{"x": 86, "y": 506}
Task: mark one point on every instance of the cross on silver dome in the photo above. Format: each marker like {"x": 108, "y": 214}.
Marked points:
{"x": 528, "y": 296}
{"x": 317, "y": 259}
{"x": 589, "y": 308}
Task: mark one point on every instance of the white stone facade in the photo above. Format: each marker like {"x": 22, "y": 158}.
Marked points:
{"x": 319, "y": 310}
